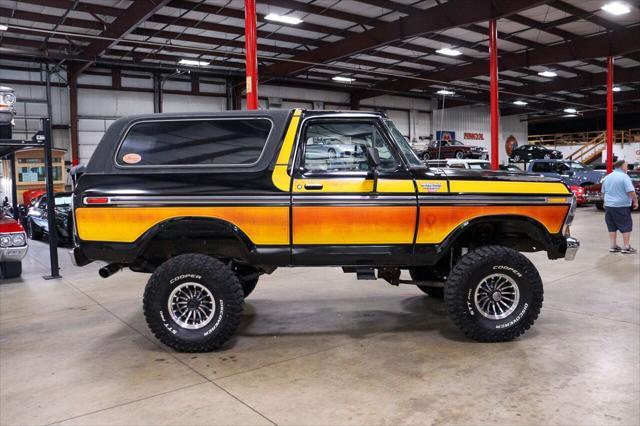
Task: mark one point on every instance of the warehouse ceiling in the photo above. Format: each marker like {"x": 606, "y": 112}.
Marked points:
{"x": 374, "y": 47}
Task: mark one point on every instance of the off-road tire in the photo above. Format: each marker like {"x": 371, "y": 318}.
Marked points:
{"x": 600, "y": 205}
{"x": 422, "y": 275}
{"x": 209, "y": 272}
{"x": 470, "y": 271}
{"x": 10, "y": 269}
{"x": 33, "y": 231}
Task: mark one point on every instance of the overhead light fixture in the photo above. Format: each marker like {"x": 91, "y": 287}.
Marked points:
{"x": 570, "y": 110}
{"x": 445, "y": 92}
{"x": 547, "y": 73}
{"x": 616, "y": 8}
{"x": 193, "y": 62}
{"x": 343, "y": 79}
{"x": 449, "y": 52}
{"x": 521, "y": 103}
{"x": 3, "y": 27}
{"x": 616, "y": 88}
{"x": 571, "y": 115}
{"x": 292, "y": 20}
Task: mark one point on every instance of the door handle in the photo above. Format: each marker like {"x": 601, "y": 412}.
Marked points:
{"x": 313, "y": 186}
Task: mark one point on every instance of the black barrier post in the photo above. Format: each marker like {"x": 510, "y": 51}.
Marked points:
{"x": 51, "y": 201}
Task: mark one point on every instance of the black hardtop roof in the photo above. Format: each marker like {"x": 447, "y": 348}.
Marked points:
{"x": 235, "y": 113}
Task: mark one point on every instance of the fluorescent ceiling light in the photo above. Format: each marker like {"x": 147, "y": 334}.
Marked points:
{"x": 616, "y": 88}
{"x": 445, "y": 92}
{"x": 193, "y": 62}
{"x": 292, "y": 20}
{"x": 449, "y": 52}
{"x": 547, "y": 73}
{"x": 616, "y": 8}
{"x": 570, "y": 115}
{"x": 343, "y": 79}
{"x": 570, "y": 110}
{"x": 521, "y": 103}
{"x": 3, "y": 28}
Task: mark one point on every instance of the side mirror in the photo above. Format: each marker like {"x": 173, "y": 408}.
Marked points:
{"x": 373, "y": 158}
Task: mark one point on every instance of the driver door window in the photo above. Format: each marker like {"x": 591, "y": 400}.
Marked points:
{"x": 341, "y": 147}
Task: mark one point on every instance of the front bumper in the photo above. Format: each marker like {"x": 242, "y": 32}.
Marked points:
{"x": 13, "y": 254}
{"x": 573, "y": 245}
{"x": 481, "y": 155}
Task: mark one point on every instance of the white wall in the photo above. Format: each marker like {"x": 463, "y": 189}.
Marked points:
{"x": 629, "y": 152}
{"x": 98, "y": 108}
{"x": 467, "y": 121}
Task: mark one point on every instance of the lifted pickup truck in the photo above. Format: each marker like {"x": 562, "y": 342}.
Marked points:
{"x": 209, "y": 202}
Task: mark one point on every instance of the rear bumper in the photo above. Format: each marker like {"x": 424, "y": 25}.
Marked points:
{"x": 78, "y": 258}
{"x": 13, "y": 254}
{"x": 573, "y": 245}
{"x": 593, "y": 198}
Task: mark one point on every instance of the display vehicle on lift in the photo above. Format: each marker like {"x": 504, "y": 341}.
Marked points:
{"x": 209, "y": 202}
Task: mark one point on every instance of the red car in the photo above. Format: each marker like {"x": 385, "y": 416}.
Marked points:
{"x": 580, "y": 193}
{"x": 453, "y": 149}
{"x": 594, "y": 195}
{"x": 13, "y": 246}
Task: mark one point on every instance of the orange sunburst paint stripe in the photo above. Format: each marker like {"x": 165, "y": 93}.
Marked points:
{"x": 263, "y": 225}
{"x": 354, "y": 225}
{"x": 437, "y": 222}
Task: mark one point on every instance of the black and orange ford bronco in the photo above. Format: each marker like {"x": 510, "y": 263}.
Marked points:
{"x": 209, "y": 202}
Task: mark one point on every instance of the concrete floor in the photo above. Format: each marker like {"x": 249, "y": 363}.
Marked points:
{"x": 318, "y": 347}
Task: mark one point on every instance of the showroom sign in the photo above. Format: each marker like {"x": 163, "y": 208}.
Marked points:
{"x": 474, "y": 136}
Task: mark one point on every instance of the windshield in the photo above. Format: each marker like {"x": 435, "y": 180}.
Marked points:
{"x": 480, "y": 166}
{"x": 404, "y": 146}
{"x": 577, "y": 166}
{"x": 64, "y": 200}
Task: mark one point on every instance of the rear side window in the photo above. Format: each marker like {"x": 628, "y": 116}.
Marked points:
{"x": 237, "y": 142}
{"x": 543, "y": 167}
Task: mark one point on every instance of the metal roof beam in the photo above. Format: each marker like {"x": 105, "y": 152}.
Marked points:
{"x": 449, "y": 15}
{"x": 124, "y": 23}
{"x": 618, "y": 43}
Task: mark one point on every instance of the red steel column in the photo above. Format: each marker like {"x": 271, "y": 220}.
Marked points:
{"x": 609, "y": 114}
{"x": 251, "y": 52}
{"x": 493, "y": 75}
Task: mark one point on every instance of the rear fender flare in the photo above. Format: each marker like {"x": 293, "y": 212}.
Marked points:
{"x": 235, "y": 242}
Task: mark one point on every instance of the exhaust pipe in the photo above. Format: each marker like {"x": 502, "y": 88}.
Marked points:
{"x": 110, "y": 269}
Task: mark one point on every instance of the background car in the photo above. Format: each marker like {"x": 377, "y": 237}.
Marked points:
{"x": 453, "y": 149}
{"x": 37, "y": 223}
{"x": 531, "y": 152}
{"x": 570, "y": 172}
{"x": 329, "y": 148}
{"x": 454, "y": 163}
{"x": 593, "y": 194}
{"x": 13, "y": 246}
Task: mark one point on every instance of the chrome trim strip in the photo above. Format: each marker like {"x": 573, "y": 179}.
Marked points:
{"x": 486, "y": 199}
{"x": 348, "y": 200}
{"x": 125, "y": 200}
